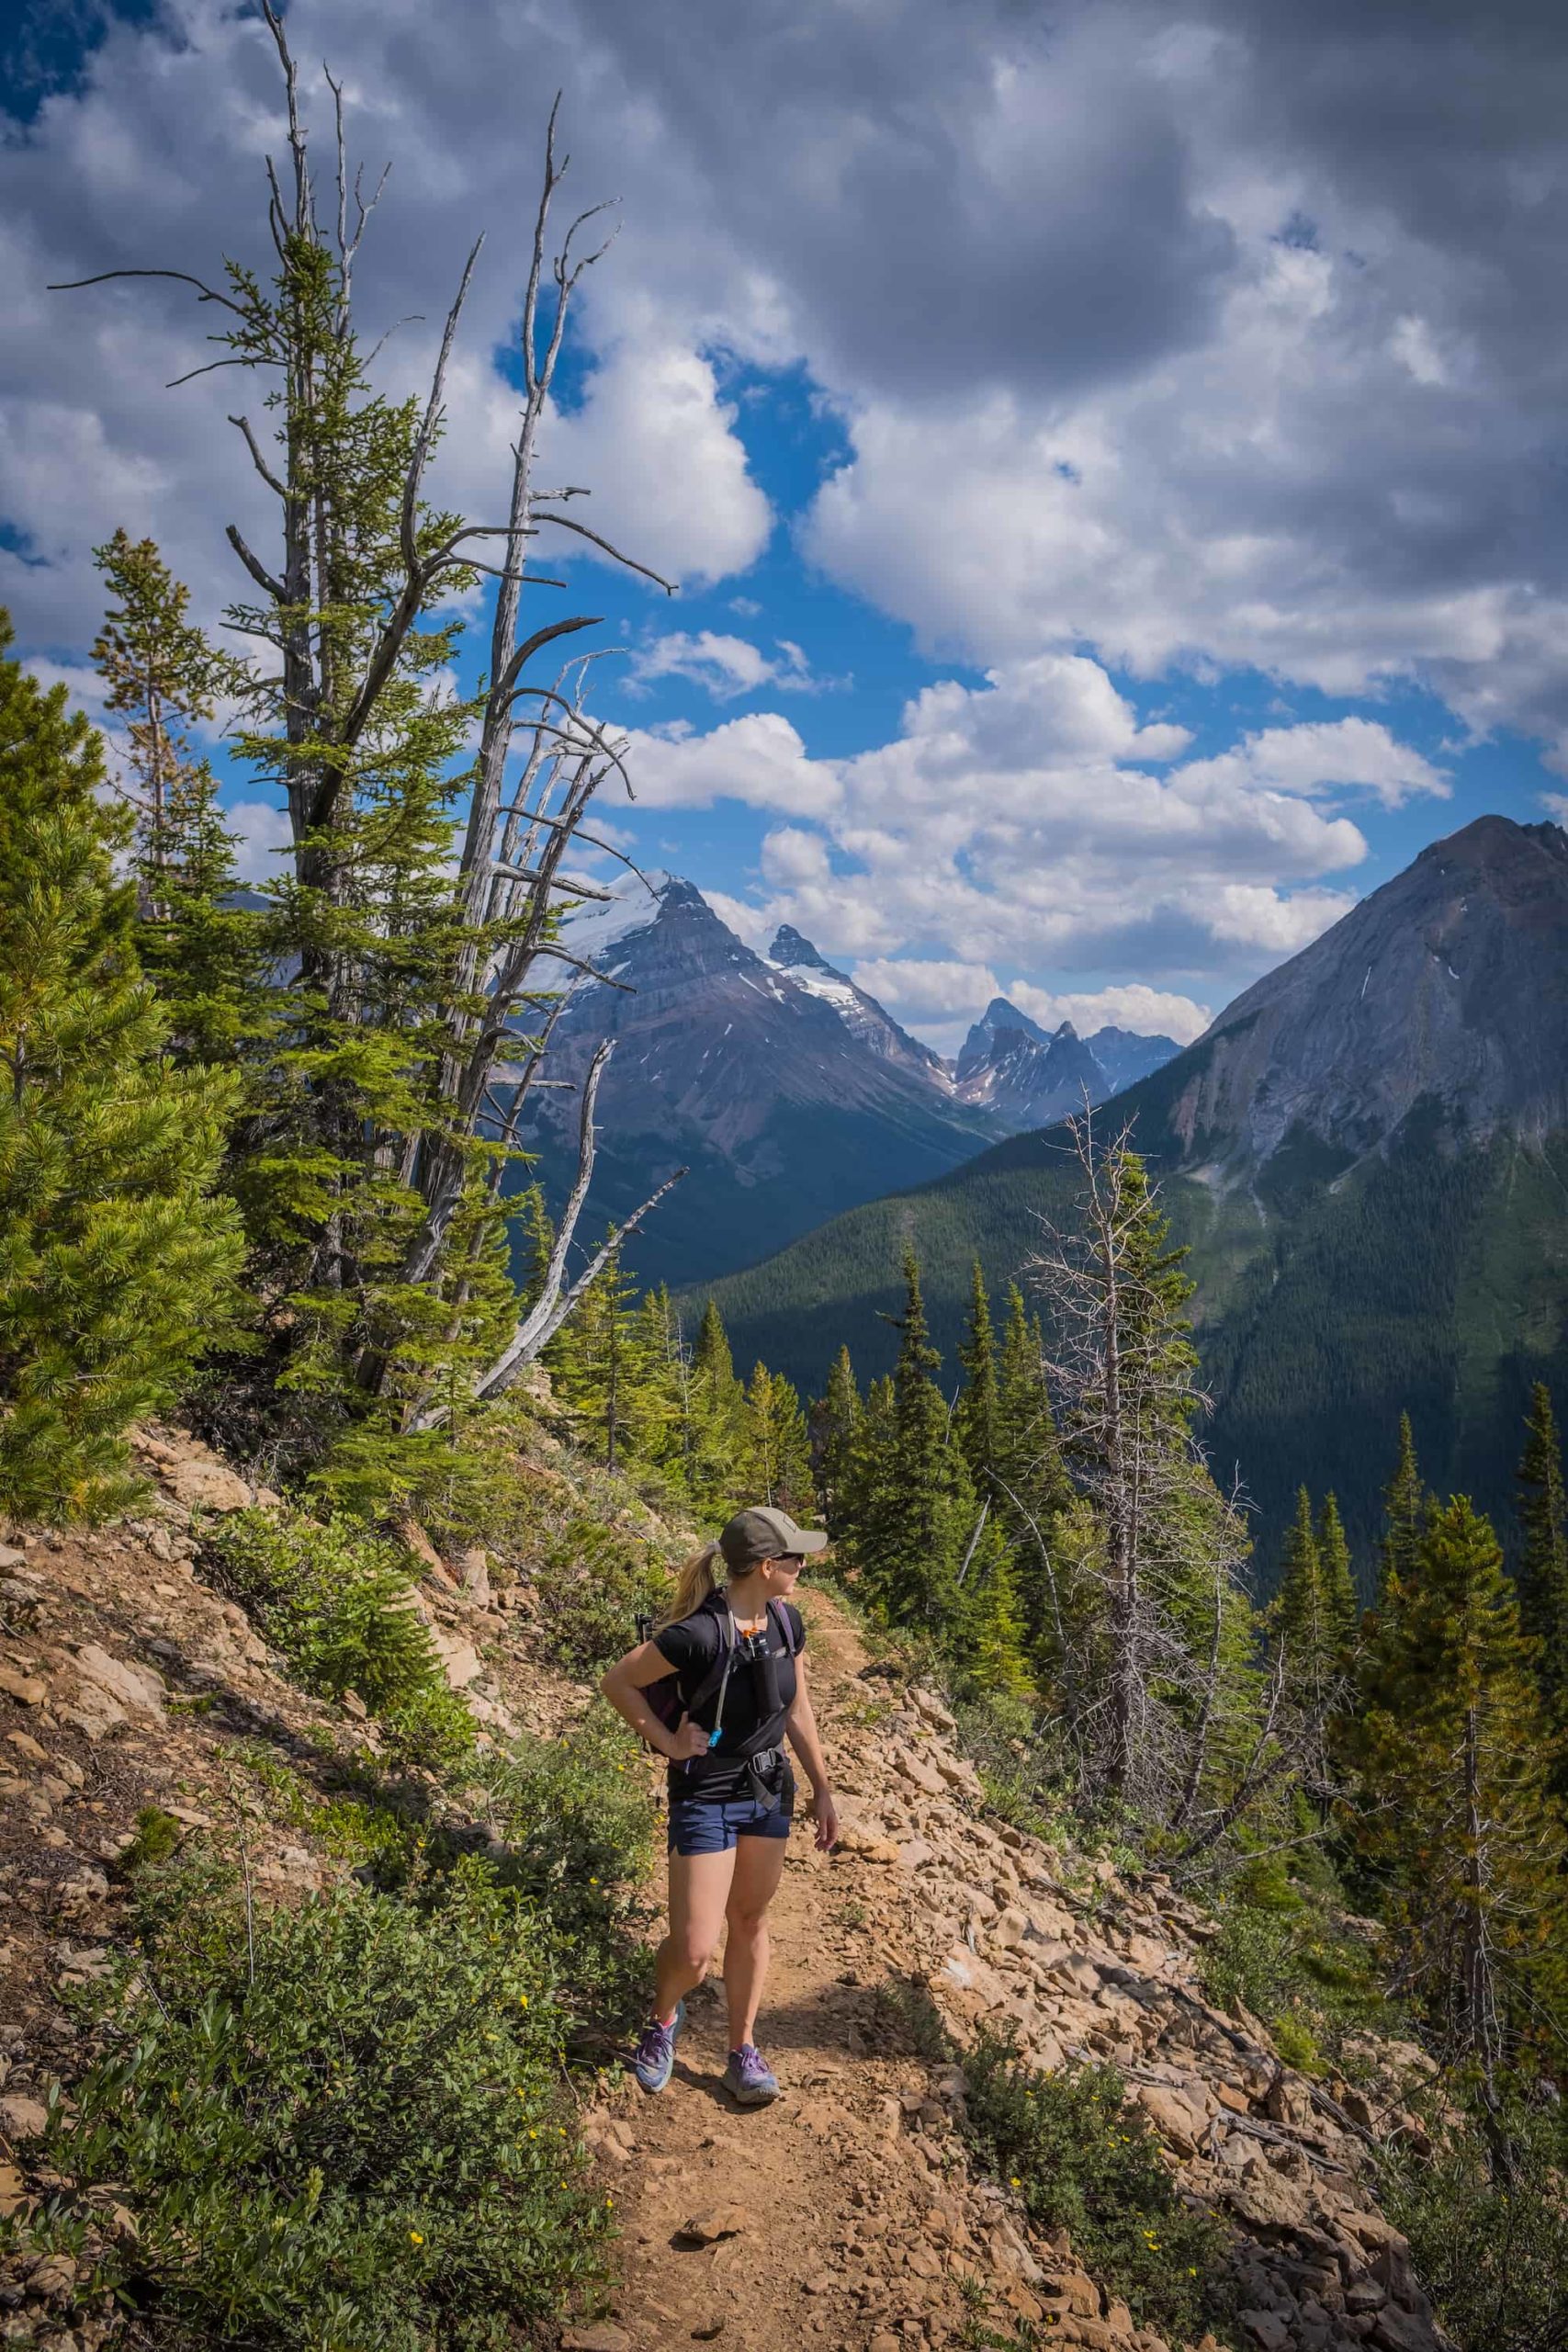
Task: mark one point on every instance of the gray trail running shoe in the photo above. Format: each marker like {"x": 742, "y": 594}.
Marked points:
{"x": 749, "y": 2080}
{"x": 654, "y": 2060}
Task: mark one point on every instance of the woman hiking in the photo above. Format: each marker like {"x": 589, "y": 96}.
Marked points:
{"x": 717, "y": 1689}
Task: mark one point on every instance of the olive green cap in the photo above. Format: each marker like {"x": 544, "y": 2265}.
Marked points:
{"x": 753, "y": 1536}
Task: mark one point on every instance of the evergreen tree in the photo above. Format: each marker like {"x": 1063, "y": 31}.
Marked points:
{"x": 1457, "y": 1758}
{"x": 1313, "y": 1623}
{"x": 117, "y": 1264}
{"x": 776, "y": 1456}
{"x": 718, "y": 1410}
{"x": 1165, "y": 1684}
{"x": 992, "y": 1639}
{"x": 862, "y": 1475}
{"x": 1543, "y": 1565}
{"x": 598, "y": 1368}
{"x": 1029, "y": 1476}
{"x": 919, "y": 1509}
{"x": 978, "y": 1415}
{"x": 662, "y": 1401}
{"x": 1339, "y": 1581}
{"x": 411, "y": 939}
{"x": 835, "y": 1435}
{"x": 204, "y": 953}
{"x": 1404, "y": 1510}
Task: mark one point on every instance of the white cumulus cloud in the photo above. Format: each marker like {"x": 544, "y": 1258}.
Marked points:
{"x": 723, "y": 666}
{"x": 1151, "y": 1012}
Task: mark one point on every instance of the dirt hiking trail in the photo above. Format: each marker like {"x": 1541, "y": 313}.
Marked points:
{"x": 847, "y": 2214}
{"x": 846, "y": 2223}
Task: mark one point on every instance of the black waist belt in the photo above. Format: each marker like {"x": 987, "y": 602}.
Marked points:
{"x": 769, "y": 1778}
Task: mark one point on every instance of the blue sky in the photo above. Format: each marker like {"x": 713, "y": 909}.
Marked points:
{"x": 1113, "y": 468}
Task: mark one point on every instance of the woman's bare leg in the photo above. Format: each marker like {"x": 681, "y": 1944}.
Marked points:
{"x": 699, "y": 1889}
{"x": 759, "y": 1866}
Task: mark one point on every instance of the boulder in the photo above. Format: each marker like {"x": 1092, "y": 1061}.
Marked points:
{"x": 473, "y": 1574}
{"x": 27, "y": 1690}
{"x": 926, "y": 1703}
{"x": 924, "y": 1776}
{"x": 203, "y": 1483}
{"x": 1173, "y": 2117}
{"x": 718, "y": 2221}
{"x": 135, "y": 1687}
{"x": 461, "y": 1662}
{"x": 22, "y": 2117}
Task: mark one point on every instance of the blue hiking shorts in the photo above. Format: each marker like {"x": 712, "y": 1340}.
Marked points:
{"x": 712, "y": 1825}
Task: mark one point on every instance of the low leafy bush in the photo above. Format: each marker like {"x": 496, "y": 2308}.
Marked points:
{"x": 336, "y": 2126}
{"x": 1083, "y": 2162}
{"x": 1489, "y": 2238}
{"x": 335, "y": 1601}
{"x": 577, "y": 1823}
{"x": 1282, "y": 1958}
{"x": 593, "y": 1585}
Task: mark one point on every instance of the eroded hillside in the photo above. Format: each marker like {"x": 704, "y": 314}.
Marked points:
{"x": 854, "y": 2213}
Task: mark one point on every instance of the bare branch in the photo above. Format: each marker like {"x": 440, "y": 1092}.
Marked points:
{"x": 260, "y": 463}
{"x": 569, "y": 523}
{"x": 105, "y": 276}
{"x": 257, "y": 570}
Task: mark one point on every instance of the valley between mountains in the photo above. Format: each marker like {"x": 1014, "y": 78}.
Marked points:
{"x": 1367, "y": 1157}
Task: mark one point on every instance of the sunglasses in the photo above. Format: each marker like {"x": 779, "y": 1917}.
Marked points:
{"x": 796, "y": 1560}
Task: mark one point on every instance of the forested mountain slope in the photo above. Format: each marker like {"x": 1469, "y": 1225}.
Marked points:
{"x": 156, "y": 1735}
{"x": 1368, "y": 1155}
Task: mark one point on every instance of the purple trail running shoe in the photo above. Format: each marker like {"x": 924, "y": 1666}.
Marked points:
{"x": 654, "y": 2060}
{"x": 749, "y": 2080}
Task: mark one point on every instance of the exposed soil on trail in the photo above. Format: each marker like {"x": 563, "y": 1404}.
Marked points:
{"x": 850, "y": 2229}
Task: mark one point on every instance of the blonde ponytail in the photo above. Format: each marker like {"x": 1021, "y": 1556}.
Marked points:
{"x": 693, "y": 1582}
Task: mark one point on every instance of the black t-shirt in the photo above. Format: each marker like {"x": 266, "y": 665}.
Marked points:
{"x": 749, "y": 1724}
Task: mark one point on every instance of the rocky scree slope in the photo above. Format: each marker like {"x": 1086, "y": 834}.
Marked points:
{"x": 847, "y": 2215}
{"x": 128, "y": 1682}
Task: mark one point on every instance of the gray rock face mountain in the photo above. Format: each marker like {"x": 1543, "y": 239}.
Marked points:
{"x": 1027, "y": 1076}
{"x": 1367, "y": 1154}
{"x": 787, "y": 1091}
{"x": 1125, "y": 1055}
{"x": 1446, "y": 987}
{"x": 861, "y": 1014}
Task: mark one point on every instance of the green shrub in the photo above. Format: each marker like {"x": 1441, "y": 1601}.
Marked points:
{"x": 337, "y": 1602}
{"x": 1081, "y": 2161}
{"x": 1296, "y": 2042}
{"x": 1489, "y": 2239}
{"x": 592, "y": 1584}
{"x": 577, "y": 1821}
{"x": 157, "y": 1835}
{"x": 429, "y": 1729}
{"x": 1282, "y": 1960}
{"x": 340, "y": 2126}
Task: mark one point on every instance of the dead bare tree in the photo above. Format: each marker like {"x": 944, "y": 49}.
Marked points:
{"x": 1146, "y": 1699}
{"x": 345, "y": 609}
{"x": 1171, "y": 1706}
